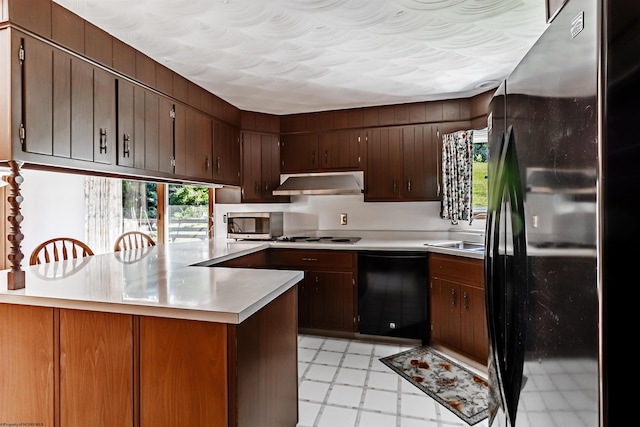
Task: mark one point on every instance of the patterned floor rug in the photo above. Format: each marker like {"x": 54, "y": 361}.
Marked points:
{"x": 461, "y": 391}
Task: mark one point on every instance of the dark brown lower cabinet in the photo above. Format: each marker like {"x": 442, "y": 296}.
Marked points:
{"x": 327, "y": 297}
{"x": 328, "y": 301}
{"x": 457, "y": 305}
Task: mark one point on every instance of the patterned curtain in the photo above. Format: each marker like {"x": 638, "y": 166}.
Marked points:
{"x": 457, "y": 162}
{"x": 103, "y": 212}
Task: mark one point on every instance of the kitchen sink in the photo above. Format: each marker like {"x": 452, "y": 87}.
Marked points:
{"x": 476, "y": 247}
{"x": 465, "y": 246}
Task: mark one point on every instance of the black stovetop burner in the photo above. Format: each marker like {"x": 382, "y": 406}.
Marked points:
{"x": 323, "y": 239}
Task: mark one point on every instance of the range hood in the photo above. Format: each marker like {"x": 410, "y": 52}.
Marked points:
{"x": 320, "y": 184}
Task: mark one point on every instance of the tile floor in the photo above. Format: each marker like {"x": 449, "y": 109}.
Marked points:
{"x": 342, "y": 383}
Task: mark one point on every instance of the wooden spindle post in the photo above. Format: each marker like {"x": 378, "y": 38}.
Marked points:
{"x": 15, "y": 277}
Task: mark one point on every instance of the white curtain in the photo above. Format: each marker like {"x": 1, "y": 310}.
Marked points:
{"x": 103, "y": 212}
{"x": 457, "y": 167}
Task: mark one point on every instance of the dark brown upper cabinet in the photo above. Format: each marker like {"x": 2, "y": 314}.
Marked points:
{"x": 383, "y": 172}
{"x": 260, "y": 168}
{"x": 340, "y": 150}
{"x": 67, "y": 106}
{"x": 193, "y": 146}
{"x": 321, "y": 152}
{"x": 299, "y": 153}
{"x": 226, "y": 154}
{"x": 32, "y": 77}
{"x": 402, "y": 164}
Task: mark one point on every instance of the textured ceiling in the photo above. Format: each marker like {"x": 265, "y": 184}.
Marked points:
{"x": 294, "y": 56}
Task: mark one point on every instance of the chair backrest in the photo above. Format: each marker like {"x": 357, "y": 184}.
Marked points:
{"x": 58, "y": 249}
{"x": 133, "y": 240}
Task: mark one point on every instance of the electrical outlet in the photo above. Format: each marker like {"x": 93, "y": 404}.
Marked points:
{"x": 343, "y": 219}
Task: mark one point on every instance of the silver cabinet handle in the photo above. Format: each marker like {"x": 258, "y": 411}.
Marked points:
{"x": 126, "y": 145}
{"x": 103, "y": 140}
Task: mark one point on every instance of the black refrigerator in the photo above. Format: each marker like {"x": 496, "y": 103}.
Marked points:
{"x": 564, "y": 173}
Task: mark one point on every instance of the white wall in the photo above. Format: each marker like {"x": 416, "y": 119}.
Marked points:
{"x": 53, "y": 206}
{"x": 322, "y": 213}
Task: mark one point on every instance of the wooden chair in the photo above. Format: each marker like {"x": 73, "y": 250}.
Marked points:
{"x": 133, "y": 240}
{"x": 58, "y": 249}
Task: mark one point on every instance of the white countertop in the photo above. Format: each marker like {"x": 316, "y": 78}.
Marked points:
{"x": 385, "y": 244}
{"x": 157, "y": 281}
{"x": 180, "y": 280}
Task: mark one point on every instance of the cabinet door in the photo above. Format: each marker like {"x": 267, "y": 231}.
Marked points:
{"x": 233, "y": 161}
{"x": 126, "y": 123}
{"x": 62, "y": 102}
{"x": 270, "y": 153}
{"x": 220, "y": 149}
{"x": 184, "y": 377}
{"x": 204, "y": 147}
{"x": 96, "y": 368}
{"x": 251, "y": 167}
{"x": 457, "y": 305}
{"x": 82, "y": 139}
{"x": 305, "y": 292}
{"x": 180, "y": 141}
{"x": 27, "y": 370}
{"x": 226, "y": 154}
{"x": 34, "y": 79}
{"x": 165, "y": 134}
{"x": 139, "y": 128}
{"x": 419, "y": 164}
{"x": 150, "y": 145}
{"x": 104, "y": 116}
{"x": 191, "y": 132}
{"x": 151, "y": 130}
{"x": 383, "y": 174}
{"x": 449, "y": 312}
{"x": 332, "y": 301}
{"x": 339, "y": 150}
{"x": 299, "y": 153}
{"x": 473, "y": 331}
{"x": 436, "y": 309}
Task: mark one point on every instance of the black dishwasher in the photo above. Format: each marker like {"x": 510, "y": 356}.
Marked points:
{"x": 392, "y": 294}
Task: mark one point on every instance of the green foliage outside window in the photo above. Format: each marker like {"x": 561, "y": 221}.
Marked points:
{"x": 187, "y": 201}
{"x": 479, "y": 176}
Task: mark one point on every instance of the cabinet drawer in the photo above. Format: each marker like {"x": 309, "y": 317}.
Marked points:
{"x": 468, "y": 270}
{"x": 315, "y": 259}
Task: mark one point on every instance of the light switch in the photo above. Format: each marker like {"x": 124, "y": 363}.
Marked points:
{"x": 343, "y": 219}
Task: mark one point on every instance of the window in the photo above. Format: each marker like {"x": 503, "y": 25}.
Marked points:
{"x": 479, "y": 186}
{"x": 140, "y": 207}
{"x": 188, "y": 213}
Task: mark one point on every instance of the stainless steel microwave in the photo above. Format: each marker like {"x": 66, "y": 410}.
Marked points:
{"x": 254, "y": 225}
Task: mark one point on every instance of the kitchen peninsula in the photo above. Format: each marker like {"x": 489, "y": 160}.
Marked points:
{"x": 145, "y": 338}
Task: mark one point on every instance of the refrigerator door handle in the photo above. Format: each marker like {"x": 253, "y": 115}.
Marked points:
{"x": 494, "y": 286}
{"x": 506, "y": 274}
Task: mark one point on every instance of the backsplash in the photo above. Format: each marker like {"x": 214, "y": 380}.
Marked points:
{"x": 322, "y": 213}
